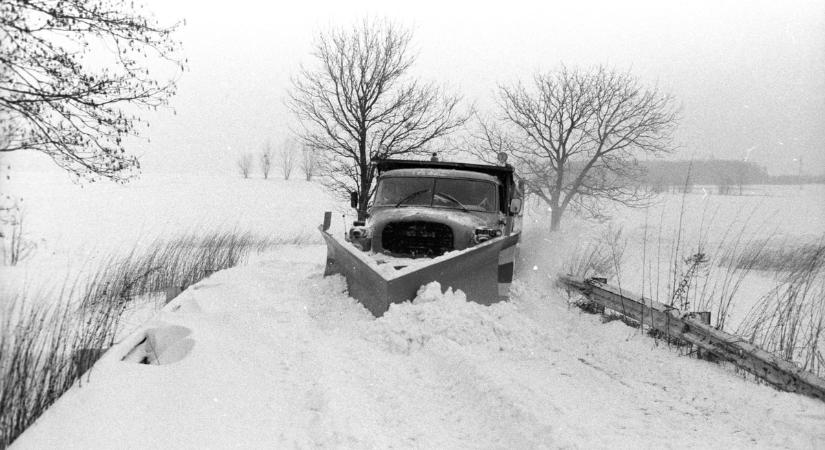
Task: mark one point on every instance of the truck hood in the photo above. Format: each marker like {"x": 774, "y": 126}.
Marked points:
{"x": 456, "y": 219}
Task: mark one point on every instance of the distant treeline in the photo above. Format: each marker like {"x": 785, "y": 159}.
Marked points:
{"x": 727, "y": 175}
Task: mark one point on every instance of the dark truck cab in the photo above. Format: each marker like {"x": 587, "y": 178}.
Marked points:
{"x": 428, "y": 208}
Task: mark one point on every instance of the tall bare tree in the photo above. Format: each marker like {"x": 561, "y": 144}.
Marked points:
{"x": 72, "y": 75}
{"x": 288, "y": 157}
{"x": 358, "y": 104}
{"x": 266, "y": 159}
{"x": 576, "y": 136}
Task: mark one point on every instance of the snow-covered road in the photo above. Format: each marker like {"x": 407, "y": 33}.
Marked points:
{"x": 272, "y": 355}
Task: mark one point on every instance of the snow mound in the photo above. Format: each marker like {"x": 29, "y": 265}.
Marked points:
{"x": 431, "y": 292}
{"x": 447, "y": 318}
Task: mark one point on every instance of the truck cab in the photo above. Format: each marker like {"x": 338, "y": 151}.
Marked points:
{"x": 429, "y": 208}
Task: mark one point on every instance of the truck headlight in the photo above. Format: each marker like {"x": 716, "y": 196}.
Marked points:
{"x": 360, "y": 237}
{"x": 482, "y": 234}
{"x": 359, "y": 233}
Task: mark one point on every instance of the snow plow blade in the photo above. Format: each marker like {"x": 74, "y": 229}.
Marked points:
{"x": 483, "y": 272}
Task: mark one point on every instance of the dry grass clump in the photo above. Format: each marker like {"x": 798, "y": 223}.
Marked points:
{"x": 180, "y": 262}
{"x": 789, "y": 321}
{"x": 717, "y": 287}
{"x": 770, "y": 255}
{"x": 49, "y": 339}
{"x": 695, "y": 275}
{"x": 43, "y": 351}
{"x": 601, "y": 257}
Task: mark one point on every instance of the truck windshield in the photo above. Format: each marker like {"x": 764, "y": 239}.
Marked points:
{"x": 468, "y": 195}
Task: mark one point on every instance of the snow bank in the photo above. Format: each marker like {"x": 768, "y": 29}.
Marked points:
{"x": 436, "y": 318}
{"x": 275, "y": 355}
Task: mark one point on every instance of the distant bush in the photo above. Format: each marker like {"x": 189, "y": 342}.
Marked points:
{"x": 658, "y": 186}
{"x": 244, "y": 164}
{"x": 13, "y": 242}
{"x": 714, "y": 172}
{"x": 723, "y": 187}
{"x": 288, "y": 157}
{"x": 726, "y": 174}
{"x": 265, "y": 160}
{"x": 49, "y": 339}
{"x": 309, "y": 162}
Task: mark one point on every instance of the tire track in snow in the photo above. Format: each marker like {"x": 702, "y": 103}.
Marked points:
{"x": 432, "y": 397}
{"x": 270, "y": 342}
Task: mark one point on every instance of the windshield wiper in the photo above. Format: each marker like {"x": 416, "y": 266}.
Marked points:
{"x": 410, "y": 196}
{"x": 452, "y": 199}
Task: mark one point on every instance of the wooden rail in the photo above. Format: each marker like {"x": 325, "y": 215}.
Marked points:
{"x": 780, "y": 373}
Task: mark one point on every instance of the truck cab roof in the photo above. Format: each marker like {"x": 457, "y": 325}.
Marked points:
{"x": 440, "y": 173}
{"x": 504, "y": 174}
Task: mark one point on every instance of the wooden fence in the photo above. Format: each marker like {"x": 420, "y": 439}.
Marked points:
{"x": 670, "y": 321}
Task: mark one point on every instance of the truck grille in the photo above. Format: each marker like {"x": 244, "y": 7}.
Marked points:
{"x": 417, "y": 238}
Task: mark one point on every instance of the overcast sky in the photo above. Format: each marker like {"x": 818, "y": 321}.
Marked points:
{"x": 749, "y": 75}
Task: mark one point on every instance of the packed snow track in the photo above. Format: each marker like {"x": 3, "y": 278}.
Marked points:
{"x": 273, "y": 355}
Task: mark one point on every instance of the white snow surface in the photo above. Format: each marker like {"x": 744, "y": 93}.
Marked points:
{"x": 273, "y": 355}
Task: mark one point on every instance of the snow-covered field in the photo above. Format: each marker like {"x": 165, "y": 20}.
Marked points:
{"x": 271, "y": 354}
{"x": 645, "y": 239}
{"x": 70, "y": 226}
{"x": 62, "y": 216}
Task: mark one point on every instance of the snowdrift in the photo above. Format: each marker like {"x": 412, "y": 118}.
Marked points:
{"x": 275, "y": 355}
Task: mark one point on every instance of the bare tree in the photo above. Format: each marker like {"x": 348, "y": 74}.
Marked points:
{"x": 266, "y": 159}
{"x": 54, "y": 99}
{"x": 309, "y": 162}
{"x": 358, "y": 104}
{"x": 288, "y": 157}
{"x": 576, "y": 136}
{"x": 245, "y": 164}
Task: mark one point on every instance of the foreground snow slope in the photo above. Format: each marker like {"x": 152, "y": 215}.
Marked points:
{"x": 273, "y": 355}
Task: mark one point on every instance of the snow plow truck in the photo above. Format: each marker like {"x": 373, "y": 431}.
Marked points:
{"x": 455, "y": 223}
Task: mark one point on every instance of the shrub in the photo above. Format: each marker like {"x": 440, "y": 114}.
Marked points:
{"x": 244, "y": 164}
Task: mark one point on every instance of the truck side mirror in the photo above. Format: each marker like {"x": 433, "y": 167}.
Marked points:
{"x": 515, "y": 206}
{"x": 353, "y": 199}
